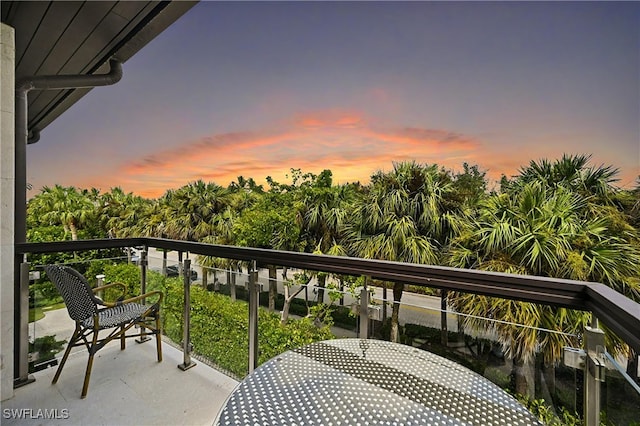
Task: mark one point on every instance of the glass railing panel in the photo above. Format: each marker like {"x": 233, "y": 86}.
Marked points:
{"x": 305, "y": 294}
{"x": 294, "y": 311}
{"x": 162, "y": 278}
{"x": 344, "y": 319}
{"x": 47, "y": 322}
{"x": 219, "y": 315}
{"x": 482, "y": 345}
{"x": 50, "y": 326}
{"x": 165, "y": 262}
{"x": 620, "y": 392}
{"x": 301, "y": 312}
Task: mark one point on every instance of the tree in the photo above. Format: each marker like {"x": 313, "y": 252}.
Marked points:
{"x": 242, "y": 195}
{"x": 270, "y": 223}
{"x": 192, "y": 210}
{"x": 189, "y": 212}
{"x": 628, "y": 202}
{"x": 224, "y": 235}
{"x": 469, "y": 187}
{"x": 65, "y": 206}
{"x": 245, "y": 185}
{"x": 541, "y": 230}
{"x": 574, "y": 173}
{"x": 319, "y": 212}
{"x": 515, "y": 234}
{"x": 303, "y": 280}
{"x": 403, "y": 218}
{"x": 322, "y": 212}
{"x": 121, "y": 213}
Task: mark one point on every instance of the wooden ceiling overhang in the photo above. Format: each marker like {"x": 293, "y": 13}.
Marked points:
{"x": 79, "y": 38}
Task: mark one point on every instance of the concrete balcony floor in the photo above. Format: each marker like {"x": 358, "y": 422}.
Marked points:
{"x": 127, "y": 388}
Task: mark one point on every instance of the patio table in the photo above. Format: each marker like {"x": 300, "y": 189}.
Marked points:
{"x": 368, "y": 382}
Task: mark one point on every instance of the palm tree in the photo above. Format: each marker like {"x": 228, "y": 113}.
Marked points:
{"x": 240, "y": 195}
{"x": 190, "y": 212}
{"x": 66, "y": 206}
{"x": 514, "y": 235}
{"x": 192, "y": 209}
{"x": 572, "y": 172}
{"x": 322, "y": 215}
{"x": 403, "y": 218}
{"x": 543, "y": 231}
{"x": 222, "y": 234}
{"x": 121, "y": 213}
{"x": 607, "y": 250}
{"x": 245, "y": 185}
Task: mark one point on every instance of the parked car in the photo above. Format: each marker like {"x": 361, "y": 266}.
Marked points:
{"x": 136, "y": 254}
{"x": 174, "y": 271}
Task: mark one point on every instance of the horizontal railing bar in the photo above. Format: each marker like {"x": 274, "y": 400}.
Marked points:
{"x": 621, "y": 314}
{"x": 526, "y": 288}
{"x": 79, "y": 245}
{"x": 531, "y": 289}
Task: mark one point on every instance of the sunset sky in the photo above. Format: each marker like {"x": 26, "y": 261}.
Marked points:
{"x": 255, "y": 89}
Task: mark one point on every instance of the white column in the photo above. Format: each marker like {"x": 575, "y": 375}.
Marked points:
{"x": 7, "y": 208}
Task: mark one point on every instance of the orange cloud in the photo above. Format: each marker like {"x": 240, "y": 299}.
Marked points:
{"x": 345, "y": 142}
{"x": 329, "y": 119}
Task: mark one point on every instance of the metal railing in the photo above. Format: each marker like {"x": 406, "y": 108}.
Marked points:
{"x": 620, "y": 314}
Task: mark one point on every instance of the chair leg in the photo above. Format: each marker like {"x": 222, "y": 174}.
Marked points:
{"x": 87, "y": 376}
{"x": 72, "y": 341}
{"x": 158, "y": 338}
{"x": 122, "y": 338}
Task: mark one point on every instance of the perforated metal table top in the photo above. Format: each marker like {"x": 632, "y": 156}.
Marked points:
{"x": 368, "y": 382}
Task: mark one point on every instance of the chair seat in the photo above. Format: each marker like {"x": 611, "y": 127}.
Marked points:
{"x": 113, "y": 317}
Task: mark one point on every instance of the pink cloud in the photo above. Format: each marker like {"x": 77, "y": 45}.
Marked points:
{"x": 346, "y": 142}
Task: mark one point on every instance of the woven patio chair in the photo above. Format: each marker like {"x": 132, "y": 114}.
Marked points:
{"x": 93, "y": 316}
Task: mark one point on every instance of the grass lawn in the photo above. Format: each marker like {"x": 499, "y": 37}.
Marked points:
{"x": 37, "y": 313}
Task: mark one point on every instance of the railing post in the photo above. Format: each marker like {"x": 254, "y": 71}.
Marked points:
{"x": 254, "y": 301}
{"x": 143, "y": 289}
{"x": 144, "y": 262}
{"x": 594, "y": 373}
{"x": 186, "y": 318}
{"x": 384, "y": 302}
{"x": 364, "y": 313}
{"x": 99, "y": 283}
{"x": 444, "y": 333}
{"x": 23, "y": 377}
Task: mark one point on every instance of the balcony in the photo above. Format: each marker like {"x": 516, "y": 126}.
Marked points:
{"x": 195, "y": 396}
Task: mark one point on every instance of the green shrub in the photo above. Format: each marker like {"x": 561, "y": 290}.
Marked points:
{"x": 275, "y": 338}
{"x": 125, "y": 273}
{"x": 220, "y": 327}
{"x": 342, "y": 317}
{"x": 544, "y": 412}
{"x": 96, "y": 268}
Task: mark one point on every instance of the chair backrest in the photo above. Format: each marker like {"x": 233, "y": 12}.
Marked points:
{"x": 75, "y": 290}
